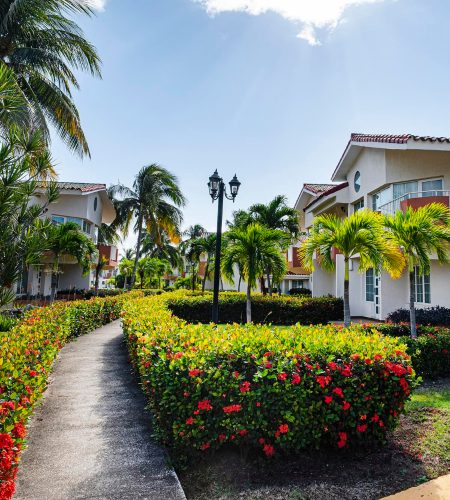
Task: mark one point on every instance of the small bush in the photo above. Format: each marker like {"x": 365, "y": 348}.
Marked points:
{"x": 196, "y": 308}
{"x": 7, "y": 323}
{"x": 300, "y": 291}
{"x": 434, "y": 316}
{"x": 277, "y": 391}
{"x": 27, "y": 353}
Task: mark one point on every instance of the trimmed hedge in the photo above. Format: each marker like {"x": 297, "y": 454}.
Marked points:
{"x": 196, "y": 308}
{"x": 278, "y": 391}
{"x": 27, "y": 353}
{"x": 300, "y": 291}
{"x": 434, "y": 316}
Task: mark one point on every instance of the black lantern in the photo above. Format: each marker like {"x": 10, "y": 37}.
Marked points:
{"x": 214, "y": 184}
{"x": 234, "y": 187}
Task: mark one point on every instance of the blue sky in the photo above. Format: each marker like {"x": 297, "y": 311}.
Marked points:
{"x": 195, "y": 86}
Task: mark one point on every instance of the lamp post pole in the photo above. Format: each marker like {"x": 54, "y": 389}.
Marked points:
{"x": 217, "y": 191}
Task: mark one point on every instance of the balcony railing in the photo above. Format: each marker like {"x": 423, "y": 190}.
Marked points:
{"x": 422, "y": 198}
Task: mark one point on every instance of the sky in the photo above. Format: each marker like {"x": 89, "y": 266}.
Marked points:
{"x": 267, "y": 89}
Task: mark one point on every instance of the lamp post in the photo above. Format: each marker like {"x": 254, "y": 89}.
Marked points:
{"x": 217, "y": 191}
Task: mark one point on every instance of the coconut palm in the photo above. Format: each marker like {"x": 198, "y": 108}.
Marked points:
{"x": 154, "y": 202}
{"x": 190, "y": 250}
{"x": 420, "y": 233}
{"x": 126, "y": 267}
{"x": 68, "y": 239}
{"x": 165, "y": 250}
{"x": 206, "y": 245}
{"x": 276, "y": 215}
{"x": 253, "y": 248}
{"x": 107, "y": 235}
{"x": 42, "y": 47}
{"x": 360, "y": 235}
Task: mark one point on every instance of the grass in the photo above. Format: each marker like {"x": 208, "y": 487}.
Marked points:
{"x": 418, "y": 450}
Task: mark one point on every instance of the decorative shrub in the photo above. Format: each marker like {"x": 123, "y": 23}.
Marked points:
{"x": 278, "y": 390}
{"x": 300, "y": 291}
{"x": 26, "y": 356}
{"x": 435, "y": 316}
{"x": 7, "y": 323}
{"x": 196, "y": 308}
{"x": 430, "y": 353}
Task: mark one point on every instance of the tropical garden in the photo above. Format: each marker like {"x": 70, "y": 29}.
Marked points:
{"x": 280, "y": 380}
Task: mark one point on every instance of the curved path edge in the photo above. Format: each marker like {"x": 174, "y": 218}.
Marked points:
{"x": 91, "y": 436}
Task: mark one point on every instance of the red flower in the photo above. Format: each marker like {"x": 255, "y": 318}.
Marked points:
{"x": 205, "y": 404}
{"x": 282, "y": 376}
{"x": 186, "y": 394}
{"x": 267, "y": 354}
{"x": 404, "y": 384}
{"x": 268, "y": 365}
{"x": 377, "y": 357}
{"x": 323, "y": 381}
{"x": 277, "y": 434}
{"x": 339, "y": 392}
{"x": 346, "y": 372}
{"x": 236, "y": 374}
{"x": 222, "y": 437}
{"x": 368, "y": 361}
{"x": 258, "y": 404}
{"x": 269, "y": 450}
{"x": 190, "y": 421}
{"x": 284, "y": 428}
{"x": 194, "y": 373}
{"x": 345, "y": 405}
{"x": 342, "y": 439}
{"x": 261, "y": 441}
{"x": 361, "y": 428}
{"x": 332, "y": 365}
{"x": 243, "y": 432}
{"x": 6, "y": 441}
{"x": 244, "y": 387}
{"x": 178, "y": 355}
{"x": 375, "y": 418}
{"x": 204, "y": 446}
{"x": 296, "y": 379}
{"x": 355, "y": 356}
{"x": 328, "y": 399}
{"x": 33, "y": 373}
{"x": 19, "y": 430}
{"x": 232, "y": 408}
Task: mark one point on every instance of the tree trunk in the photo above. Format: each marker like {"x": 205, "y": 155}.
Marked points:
{"x": 54, "y": 281}
{"x": 249, "y": 304}
{"x": 97, "y": 278}
{"x": 141, "y": 275}
{"x": 262, "y": 282}
{"x": 138, "y": 251}
{"x": 239, "y": 282}
{"x": 412, "y": 308}
{"x": 206, "y": 275}
{"x": 269, "y": 282}
{"x": 347, "y": 318}
{"x": 193, "y": 277}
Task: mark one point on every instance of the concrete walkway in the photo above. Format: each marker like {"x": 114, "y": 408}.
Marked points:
{"x": 91, "y": 438}
{"x": 437, "y": 489}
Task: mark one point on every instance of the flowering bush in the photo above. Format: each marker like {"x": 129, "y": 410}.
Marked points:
{"x": 26, "y": 356}
{"x": 434, "y": 316}
{"x": 196, "y": 308}
{"x": 276, "y": 390}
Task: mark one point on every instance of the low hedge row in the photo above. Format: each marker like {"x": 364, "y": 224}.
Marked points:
{"x": 196, "y": 308}
{"x": 434, "y": 316}
{"x": 430, "y": 353}
{"x": 26, "y": 356}
{"x": 278, "y": 391}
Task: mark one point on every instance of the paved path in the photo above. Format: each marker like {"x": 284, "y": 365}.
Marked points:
{"x": 91, "y": 438}
{"x": 437, "y": 489}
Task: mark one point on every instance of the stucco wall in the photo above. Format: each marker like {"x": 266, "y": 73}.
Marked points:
{"x": 371, "y": 164}
{"x": 323, "y": 282}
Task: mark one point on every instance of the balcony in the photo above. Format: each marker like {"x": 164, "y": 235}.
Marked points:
{"x": 415, "y": 200}
{"x": 110, "y": 254}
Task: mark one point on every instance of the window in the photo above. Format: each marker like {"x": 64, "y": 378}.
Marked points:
{"x": 358, "y": 205}
{"x": 381, "y": 198}
{"x": 422, "y": 287}
{"x": 297, "y": 284}
{"x": 57, "y": 219}
{"x": 370, "y": 285}
{"x": 86, "y": 227}
{"x": 403, "y": 188}
{"x": 432, "y": 188}
{"x": 95, "y": 203}
{"x": 357, "y": 182}
{"x": 75, "y": 220}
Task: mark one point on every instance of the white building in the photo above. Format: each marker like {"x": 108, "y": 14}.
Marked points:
{"x": 384, "y": 173}
{"x": 88, "y": 205}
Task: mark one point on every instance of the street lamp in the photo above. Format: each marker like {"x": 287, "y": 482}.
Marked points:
{"x": 217, "y": 190}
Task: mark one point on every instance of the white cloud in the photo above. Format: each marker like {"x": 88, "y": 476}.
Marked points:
{"x": 97, "y": 4}
{"x": 311, "y": 14}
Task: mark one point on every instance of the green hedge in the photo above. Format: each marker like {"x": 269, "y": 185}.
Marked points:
{"x": 27, "y": 353}
{"x": 196, "y": 308}
{"x": 278, "y": 391}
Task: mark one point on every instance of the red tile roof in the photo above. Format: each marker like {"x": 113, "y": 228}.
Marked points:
{"x": 318, "y": 188}
{"x": 84, "y": 187}
{"x": 333, "y": 189}
{"x": 396, "y": 139}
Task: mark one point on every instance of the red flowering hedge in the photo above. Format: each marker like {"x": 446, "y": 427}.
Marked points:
{"x": 26, "y": 356}
{"x": 277, "y": 390}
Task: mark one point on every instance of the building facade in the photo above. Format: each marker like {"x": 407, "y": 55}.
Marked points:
{"x": 87, "y": 205}
{"x": 384, "y": 173}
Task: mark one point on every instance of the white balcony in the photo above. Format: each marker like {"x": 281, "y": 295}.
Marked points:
{"x": 415, "y": 200}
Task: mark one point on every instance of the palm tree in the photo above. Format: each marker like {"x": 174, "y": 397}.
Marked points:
{"x": 190, "y": 250}
{"x": 42, "y": 47}
{"x": 165, "y": 250}
{"x": 155, "y": 201}
{"x": 206, "y": 245}
{"x": 276, "y": 215}
{"x": 126, "y": 267}
{"x": 253, "y": 248}
{"x": 420, "y": 233}
{"x": 68, "y": 239}
{"x": 107, "y": 235}
{"x": 360, "y": 235}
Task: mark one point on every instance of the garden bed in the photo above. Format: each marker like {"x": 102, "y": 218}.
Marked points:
{"x": 416, "y": 451}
